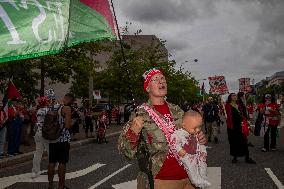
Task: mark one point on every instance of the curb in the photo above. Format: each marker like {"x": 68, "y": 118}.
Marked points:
{"x": 29, "y": 156}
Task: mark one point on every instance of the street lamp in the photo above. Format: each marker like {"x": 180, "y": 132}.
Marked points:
{"x": 187, "y": 61}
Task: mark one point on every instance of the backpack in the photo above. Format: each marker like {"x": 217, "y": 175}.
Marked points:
{"x": 211, "y": 115}
{"x": 51, "y": 128}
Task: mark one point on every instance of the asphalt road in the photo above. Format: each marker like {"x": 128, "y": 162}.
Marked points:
{"x": 100, "y": 166}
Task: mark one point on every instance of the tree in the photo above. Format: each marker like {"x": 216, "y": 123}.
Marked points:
{"x": 83, "y": 63}
{"x": 23, "y": 75}
{"x": 116, "y": 81}
{"x": 72, "y": 65}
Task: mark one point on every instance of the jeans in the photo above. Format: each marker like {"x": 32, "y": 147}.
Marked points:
{"x": 2, "y": 139}
{"x": 41, "y": 145}
{"x": 14, "y": 137}
{"x": 272, "y": 130}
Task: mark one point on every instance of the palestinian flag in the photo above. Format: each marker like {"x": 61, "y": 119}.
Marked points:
{"x": 12, "y": 93}
{"x": 31, "y": 29}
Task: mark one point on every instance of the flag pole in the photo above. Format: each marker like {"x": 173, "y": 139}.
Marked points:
{"x": 122, "y": 51}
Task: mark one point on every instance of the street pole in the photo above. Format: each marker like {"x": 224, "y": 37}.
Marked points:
{"x": 91, "y": 88}
{"x": 42, "y": 77}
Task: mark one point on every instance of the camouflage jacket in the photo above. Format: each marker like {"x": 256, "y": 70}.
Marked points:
{"x": 131, "y": 145}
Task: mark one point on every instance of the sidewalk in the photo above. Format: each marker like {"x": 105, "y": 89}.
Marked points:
{"x": 28, "y": 151}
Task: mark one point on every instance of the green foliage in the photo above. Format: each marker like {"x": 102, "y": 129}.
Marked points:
{"x": 22, "y": 74}
{"x": 273, "y": 89}
{"x": 73, "y": 65}
{"x": 120, "y": 83}
{"x": 82, "y": 60}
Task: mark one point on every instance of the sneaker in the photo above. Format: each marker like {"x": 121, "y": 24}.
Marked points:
{"x": 273, "y": 149}
{"x": 250, "y": 161}
{"x": 264, "y": 150}
{"x": 34, "y": 175}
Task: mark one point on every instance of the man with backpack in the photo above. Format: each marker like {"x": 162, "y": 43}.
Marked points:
{"x": 59, "y": 150}
{"x": 211, "y": 115}
{"x": 41, "y": 143}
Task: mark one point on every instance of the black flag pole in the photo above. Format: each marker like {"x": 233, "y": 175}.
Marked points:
{"x": 122, "y": 53}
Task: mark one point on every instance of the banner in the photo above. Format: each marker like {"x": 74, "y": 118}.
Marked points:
{"x": 218, "y": 85}
{"x": 33, "y": 28}
{"x": 244, "y": 85}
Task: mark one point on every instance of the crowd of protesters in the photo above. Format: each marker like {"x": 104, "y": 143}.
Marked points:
{"x": 25, "y": 119}
{"x": 16, "y": 126}
{"x": 242, "y": 118}
{"x": 22, "y": 122}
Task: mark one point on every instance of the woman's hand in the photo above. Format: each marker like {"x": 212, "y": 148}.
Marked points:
{"x": 137, "y": 124}
{"x": 201, "y": 138}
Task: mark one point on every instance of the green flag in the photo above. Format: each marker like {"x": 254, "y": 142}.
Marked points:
{"x": 33, "y": 28}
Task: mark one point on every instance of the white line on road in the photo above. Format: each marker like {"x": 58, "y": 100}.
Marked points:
{"x": 274, "y": 178}
{"x": 26, "y": 177}
{"x": 214, "y": 177}
{"x": 109, "y": 177}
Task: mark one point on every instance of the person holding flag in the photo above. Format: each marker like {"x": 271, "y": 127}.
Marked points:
{"x": 15, "y": 119}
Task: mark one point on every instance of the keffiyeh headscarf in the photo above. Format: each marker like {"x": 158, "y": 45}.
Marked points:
{"x": 42, "y": 100}
{"x": 50, "y": 94}
{"x": 148, "y": 75}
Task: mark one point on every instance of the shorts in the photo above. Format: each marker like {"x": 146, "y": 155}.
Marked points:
{"x": 59, "y": 152}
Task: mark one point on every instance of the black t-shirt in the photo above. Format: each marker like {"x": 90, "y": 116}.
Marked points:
{"x": 210, "y": 112}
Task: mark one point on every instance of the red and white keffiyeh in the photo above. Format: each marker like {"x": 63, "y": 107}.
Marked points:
{"x": 148, "y": 75}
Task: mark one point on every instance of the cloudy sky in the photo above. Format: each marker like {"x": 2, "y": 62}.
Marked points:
{"x": 234, "y": 38}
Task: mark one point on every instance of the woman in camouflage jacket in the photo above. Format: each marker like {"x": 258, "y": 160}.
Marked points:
{"x": 144, "y": 140}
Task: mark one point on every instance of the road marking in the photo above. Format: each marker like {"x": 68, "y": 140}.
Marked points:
{"x": 126, "y": 185}
{"x": 274, "y": 178}
{"x": 109, "y": 177}
{"x": 214, "y": 176}
{"x": 8, "y": 181}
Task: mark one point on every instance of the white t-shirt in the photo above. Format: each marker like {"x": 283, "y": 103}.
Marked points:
{"x": 40, "y": 117}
